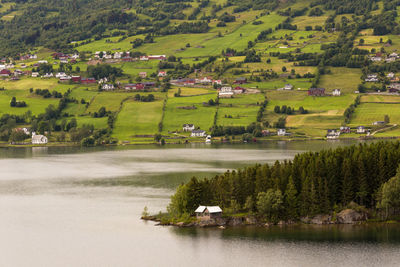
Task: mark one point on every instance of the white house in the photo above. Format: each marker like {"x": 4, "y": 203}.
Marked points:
{"x": 198, "y": 133}
{"x": 60, "y": 74}
{"x": 281, "y": 132}
{"x": 372, "y": 78}
{"x": 225, "y": 91}
{"x": 204, "y": 80}
{"x": 42, "y": 62}
{"x": 107, "y": 87}
{"x": 208, "y": 139}
{"x": 360, "y": 129}
{"x": 188, "y": 127}
{"x": 38, "y": 139}
{"x": 162, "y": 73}
{"x": 336, "y": 92}
{"x": 378, "y": 123}
{"x": 390, "y": 75}
{"x": 143, "y": 74}
{"x": 208, "y": 212}
{"x": 48, "y": 75}
{"x": 35, "y": 74}
{"x": 288, "y": 87}
{"x": 375, "y": 59}
{"x": 217, "y": 82}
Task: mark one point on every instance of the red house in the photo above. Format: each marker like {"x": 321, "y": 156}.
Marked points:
{"x": 316, "y": 91}
{"x": 76, "y": 79}
{"x": 88, "y": 80}
{"x": 5, "y": 73}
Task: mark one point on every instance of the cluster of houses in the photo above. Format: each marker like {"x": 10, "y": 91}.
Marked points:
{"x": 228, "y": 91}
{"x": 378, "y": 57}
{"x": 64, "y": 58}
{"x": 126, "y": 56}
{"x": 193, "y": 132}
{"x": 335, "y": 134}
{"x": 37, "y": 139}
{"x": 191, "y": 81}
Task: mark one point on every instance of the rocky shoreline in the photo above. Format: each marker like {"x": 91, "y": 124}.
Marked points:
{"x": 347, "y": 216}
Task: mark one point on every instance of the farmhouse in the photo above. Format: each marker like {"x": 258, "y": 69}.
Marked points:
{"x": 198, "y": 133}
{"x": 332, "y": 134}
{"x": 360, "y": 129}
{"x": 394, "y": 88}
{"x": 60, "y": 74}
{"x": 162, "y": 73}
{"x": 65, "y": 78}
{"x": 316, "y": 91}
{"x": 143, "y": 74}
{"x": 184, "y": 81}
{"x": 240, "y": 80}
{"x": 217, "y": 82}
{"x": 88, "y": 80}
{"x": 281, "y": 132}
{"x": 372, "y": 78}
{"x": 288, "y": 87}
{"x": 157, "y": 57}
{"x": 336, "y": 92}
{"x": 38, "y": 139}
{"x": 188, "y": 127}
{"x": 225, "y": 91}
{"x": 5, "y": 73}
{"x": 345, "y": 129}
{"x": 35, "y": 74}
{"x": 134, "y": 86}
{"x": 375, "y": 59}
{"x": 239, "y": 90}
{"x": 107, "y": 87}
{"x": 76, "y": 79}
{"x": 208, "y": 212}
{"x": 378, "y": 123}
{"x": 42, "y": 62}
{"x": 204, "y": 80}
{"x": 48, "y": 75}
{"x": 390, "y": 75}
{"x": 149, "y": 85}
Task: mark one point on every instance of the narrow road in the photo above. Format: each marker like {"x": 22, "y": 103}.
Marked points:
{"x": 384, "y": 129}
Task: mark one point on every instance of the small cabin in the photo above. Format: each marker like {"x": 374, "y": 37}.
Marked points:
{"x": 208, "y": 212}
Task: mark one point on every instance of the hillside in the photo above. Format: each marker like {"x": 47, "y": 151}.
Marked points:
{"x": 154, "y": 66}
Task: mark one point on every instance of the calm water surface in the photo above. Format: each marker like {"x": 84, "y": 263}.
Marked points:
{"x": 81, "y": 207}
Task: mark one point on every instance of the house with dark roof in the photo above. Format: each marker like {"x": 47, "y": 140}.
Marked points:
{"x": 316, "y": 91}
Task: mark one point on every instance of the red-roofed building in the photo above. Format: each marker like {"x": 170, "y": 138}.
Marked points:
{"x": 88, "y": 80}
{"x": 5, "y": 73}
{"x": 76, "y": 79}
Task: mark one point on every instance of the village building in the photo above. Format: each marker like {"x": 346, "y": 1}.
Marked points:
{"x": 345, "y": 129}
{"x": 184, "y": 81}
{"x": 198, "y": 133}
{"x": 43, "y": 62}
{"x": 225, "y": 91}
{"x": 48, "y": 75}
{"x": 375, "y": 59}
{"x": 390, "y": 59}
{"x": 394, "y": 88}
{"x": 239, "y": 90}
{"x": 88, "y": 80}
{"x": 76, "y": 79}
{"x": 217, "y": 82}
{"x": 208, "y": 212}
{"x": 188, "y": 127}
{"x": 60, "y": 74}
{"x": 361, "y": 129}
{"x": 38, "y": 139}
{"x": 5, "y": 73}
{"x": 288, "y": 87}
{"x": 134, "y": 86}
{"x": 378, "y": 123}
{"x": 316, "y": 91}
{"x": 390, "y": 75}
{"x": 107, "y": 87}
{"x": 372, "y": 78}
{"x": 204, "y": 80}
{"x": 143, "y": 74}
{"x": 336, "y": 92}
{"x": 162, "y": 73}
{"x": 35, "y": 74}
{"x": 144, "y": 58}
{"x": 332, "y": 134}
{"x": 66, "y": 78}
{"x": 157, "y": 57}
{"x": 281, "y": 132}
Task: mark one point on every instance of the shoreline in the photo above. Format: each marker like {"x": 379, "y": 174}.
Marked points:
{"x": 218, "y": 141}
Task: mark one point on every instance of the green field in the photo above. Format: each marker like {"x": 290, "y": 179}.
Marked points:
{"x": 341, "y": 78}
{"x": 137, "y": 118}
{"x": 367, "y": 113}
{"x": 175, "y": 117}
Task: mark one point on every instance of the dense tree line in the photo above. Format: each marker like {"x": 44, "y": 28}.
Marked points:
{"x": 311, "y": 183}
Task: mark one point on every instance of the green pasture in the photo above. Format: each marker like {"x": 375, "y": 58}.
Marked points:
{"x": 367, "y": 113}
{"x": 346, "y": 79}
{"x": 202, "y": 117}
{"x": 137, "y": 118}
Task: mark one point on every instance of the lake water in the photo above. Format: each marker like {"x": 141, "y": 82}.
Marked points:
{"x": 81, "y": 207}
